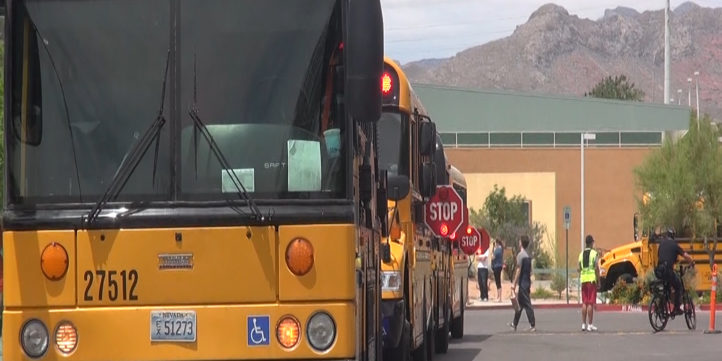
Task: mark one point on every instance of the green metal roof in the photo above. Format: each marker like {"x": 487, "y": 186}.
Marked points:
{"x": 459, "y": 110}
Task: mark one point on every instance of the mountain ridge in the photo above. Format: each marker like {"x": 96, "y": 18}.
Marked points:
{"x": 555, "y": 52}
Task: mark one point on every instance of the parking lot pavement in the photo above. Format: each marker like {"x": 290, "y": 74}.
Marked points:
{"x": 621, "y": 336}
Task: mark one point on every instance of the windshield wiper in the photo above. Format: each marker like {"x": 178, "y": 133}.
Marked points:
{"x": 241, "y": 190}
{"x": 199, "y": 125}
{"x": 132, "y": 158}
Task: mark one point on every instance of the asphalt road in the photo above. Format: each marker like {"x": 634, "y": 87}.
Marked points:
{"x": 621, "y": 336}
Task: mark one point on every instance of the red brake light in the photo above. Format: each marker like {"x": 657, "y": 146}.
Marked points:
{"x": 444, "y": 229}
{"x": 386, "y": 83}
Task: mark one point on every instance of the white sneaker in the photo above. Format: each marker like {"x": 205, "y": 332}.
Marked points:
{"x": 584, "y": 327}
{"x": 591, "y": 328}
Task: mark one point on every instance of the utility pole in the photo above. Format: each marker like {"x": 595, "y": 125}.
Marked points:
{"x": 689, "y": 92}
{"x": 667, "y": 54}
{"x": 696, "y": 75}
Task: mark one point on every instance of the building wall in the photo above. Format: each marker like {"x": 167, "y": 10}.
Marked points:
{"x": 537, "y": 187}
{"x": 610, "y": 191}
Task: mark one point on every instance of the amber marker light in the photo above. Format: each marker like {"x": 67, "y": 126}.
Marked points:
{"x": 54, "y": 261}
{"x": 66, "y": 337}
{"x": 299, "y": 256}
{"x": 288, "y": 332}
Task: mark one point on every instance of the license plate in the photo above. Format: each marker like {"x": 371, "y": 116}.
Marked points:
{"x": 173, "y": 326}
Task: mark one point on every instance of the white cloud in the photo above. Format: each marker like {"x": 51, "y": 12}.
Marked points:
{"x": 417, "y": 29}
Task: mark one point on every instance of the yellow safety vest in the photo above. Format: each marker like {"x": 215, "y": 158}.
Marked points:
{"x": 588, "y": 274}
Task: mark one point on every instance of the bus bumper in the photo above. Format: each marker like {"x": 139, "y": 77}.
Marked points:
{"x": 392, "y": 316}
{"x": 223, "y": 332}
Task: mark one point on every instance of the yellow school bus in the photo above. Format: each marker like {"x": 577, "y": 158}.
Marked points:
{"x": 415, "y": 277}
{"x": 458, "y": 263}
{"x": 192, "y": 180}
{"x": 452, "y": 264}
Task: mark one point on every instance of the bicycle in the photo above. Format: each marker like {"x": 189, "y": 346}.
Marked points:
{"x": 661, "y": 306}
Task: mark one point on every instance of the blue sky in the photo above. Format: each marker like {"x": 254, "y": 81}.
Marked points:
{"x": 418, "y": 29}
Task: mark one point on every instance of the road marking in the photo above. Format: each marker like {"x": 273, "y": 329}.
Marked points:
{"x": 601, "y": 333}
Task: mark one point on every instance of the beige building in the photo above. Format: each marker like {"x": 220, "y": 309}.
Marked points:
{"x": 531, "y": 145}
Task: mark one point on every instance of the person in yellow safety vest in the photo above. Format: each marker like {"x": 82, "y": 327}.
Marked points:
{"x": 588, "y": 276}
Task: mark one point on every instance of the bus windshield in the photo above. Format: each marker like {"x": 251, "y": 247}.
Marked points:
{"x": 88, "y": 79}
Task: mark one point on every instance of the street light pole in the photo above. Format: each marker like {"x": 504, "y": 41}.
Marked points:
{"x": 584, "y": 137}
{"x": 689, "y": 92}
{"x": 696, "y": 75}
{"x": 679, "y": 96}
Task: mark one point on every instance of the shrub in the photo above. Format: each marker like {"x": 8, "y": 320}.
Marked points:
{"x": 542, "y": 259}
{"x": 558, "y": 284}
{"x": 626, "y": 293}
{"x": 542, "y": 293}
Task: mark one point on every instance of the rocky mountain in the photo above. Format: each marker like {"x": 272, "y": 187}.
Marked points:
{"x": 558, "y": 53}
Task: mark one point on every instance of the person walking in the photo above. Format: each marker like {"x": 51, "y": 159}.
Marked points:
{"x": 588, "y": 275}
{"x": 497, "y": 264}
{"x": 522, "y": 278}
{"x": 483, "y": 275}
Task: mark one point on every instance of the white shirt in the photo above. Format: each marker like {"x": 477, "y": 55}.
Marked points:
{"x": 483, "y": 259}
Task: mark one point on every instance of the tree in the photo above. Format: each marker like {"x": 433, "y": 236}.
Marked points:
{"x": 616, "y": 88}
{"x": 682, "y": 183}
{"x": 504, "y": 218}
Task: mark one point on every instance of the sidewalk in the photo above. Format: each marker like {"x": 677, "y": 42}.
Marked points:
{"x": 475, "y": 304}
{"x": 550, "y": 303}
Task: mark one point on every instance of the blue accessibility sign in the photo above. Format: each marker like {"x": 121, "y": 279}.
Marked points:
{"x": 258, "y": 330}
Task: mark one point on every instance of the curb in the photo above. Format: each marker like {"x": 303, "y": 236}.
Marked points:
{"x": 598, "y": 308}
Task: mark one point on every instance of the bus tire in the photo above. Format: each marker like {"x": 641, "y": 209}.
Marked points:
{"x": 402, "y": 352}
{"x": 421, "y": 353}
{"x": 442, "y": 334}
{"x": 457, "y": 324}
{"x": 431, "y": 340}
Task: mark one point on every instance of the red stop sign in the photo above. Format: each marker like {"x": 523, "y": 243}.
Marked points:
{"x": 470, "y": 240}
{"x": 485, "y": 239}
{"x": 465, "y": 223}
{"x": 444, "y": 212}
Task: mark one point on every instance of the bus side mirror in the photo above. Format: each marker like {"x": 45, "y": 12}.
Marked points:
{"x": 386, "y": 252}
{"x": 428, "y": 181}
{"x": 382, "y": 202}
{"x": 427, "y": 141}
{"x": 398, "y": 187}
{"x": 364, "y": 48}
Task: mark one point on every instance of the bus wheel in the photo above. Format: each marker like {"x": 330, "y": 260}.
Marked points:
{"x": 457, "y": 324}
{"x": 420, "y": 352}
{"x": 403, "y": 351}
{"x": 442, "y": 334}
{"x": 431, "y": 340}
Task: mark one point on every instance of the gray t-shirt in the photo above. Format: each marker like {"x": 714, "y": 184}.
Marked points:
{"x": 523, "y": 261}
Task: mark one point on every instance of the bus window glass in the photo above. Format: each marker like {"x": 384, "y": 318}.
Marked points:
{"x": 94, "y": 71}
{"x": 262, "y": 97}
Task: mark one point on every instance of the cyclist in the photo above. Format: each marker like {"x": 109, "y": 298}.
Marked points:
{"x": 667, "y": 255}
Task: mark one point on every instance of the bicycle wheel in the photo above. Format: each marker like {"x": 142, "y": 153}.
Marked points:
{"x": 657, "y": 314}
{"x": 689, "y": 313}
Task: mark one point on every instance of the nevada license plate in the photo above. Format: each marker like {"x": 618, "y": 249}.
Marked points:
{"x": 173, "y": 326}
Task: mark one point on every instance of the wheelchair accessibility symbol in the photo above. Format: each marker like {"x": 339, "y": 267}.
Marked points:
{"x": 258, "y": 330}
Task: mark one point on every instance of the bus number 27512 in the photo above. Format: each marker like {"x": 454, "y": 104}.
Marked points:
{"x": 111, "y": 284}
